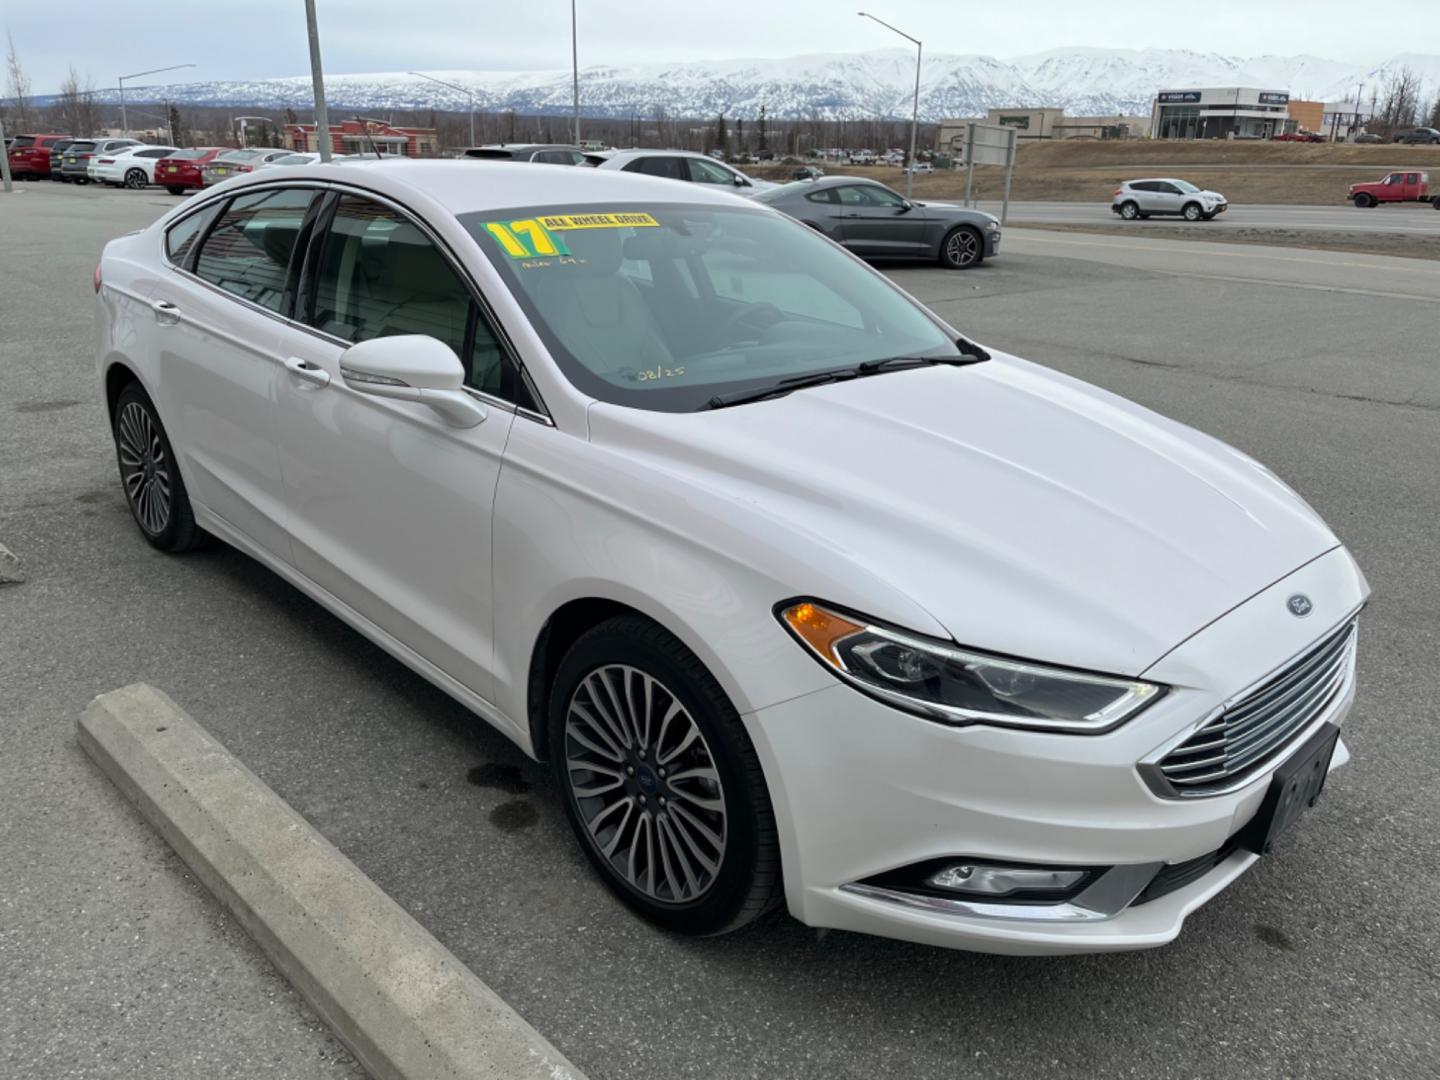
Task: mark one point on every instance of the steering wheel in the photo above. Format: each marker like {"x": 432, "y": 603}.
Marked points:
{"x": 739, "y": 318}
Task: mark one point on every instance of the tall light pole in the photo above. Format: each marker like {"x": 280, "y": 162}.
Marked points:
{"x": 317, "y": 79}
{"x": 575, "y": 68}
{"x": 453, "y": 86}
{"x": 915, "y": 113}
{"x": 152, "y": 71}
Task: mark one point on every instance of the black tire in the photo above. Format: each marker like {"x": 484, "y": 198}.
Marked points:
{"x": 962, "y": 249}
{"x": 1364, "y": 200}
{"x": 82, "y": 180}
{"x": 175, "y": 190}
{"x": 1191, "y": 212}
{"x": 147, "y": 464}
{"x": 746, "y": 881}
{"x": 135, "y": 179}
{"x": 1130, "y": 211}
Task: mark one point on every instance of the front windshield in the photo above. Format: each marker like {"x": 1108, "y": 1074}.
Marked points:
{"x": 666, "y": 306}
{"x": 1185, "y": 186}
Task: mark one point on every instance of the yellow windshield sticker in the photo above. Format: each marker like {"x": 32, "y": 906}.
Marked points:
{"x": 531, "y": 238}
{"x": 561, "y": 222}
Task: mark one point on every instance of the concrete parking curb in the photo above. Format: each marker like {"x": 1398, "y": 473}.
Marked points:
{"x": 402, "y": 1003}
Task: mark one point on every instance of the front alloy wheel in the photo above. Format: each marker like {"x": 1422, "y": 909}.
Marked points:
{"x": 962, "y": 249}
{"x": 661, "y": 782}
{"x": 645, "y": 782}
{"x": 1192, "y": 212}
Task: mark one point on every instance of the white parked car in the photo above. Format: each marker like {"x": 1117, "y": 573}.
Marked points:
{"x": 291, "y": 160}
{"x": 806, "y": 597}
{"x": 681, "y": 165}
{"x": 920, "y": 168}
{"x": 131, "y": 167}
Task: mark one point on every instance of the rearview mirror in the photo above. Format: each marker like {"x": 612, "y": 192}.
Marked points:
{"x": 412, "y": 367}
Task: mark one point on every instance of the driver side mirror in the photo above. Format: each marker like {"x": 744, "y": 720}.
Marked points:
{"x": 740, "y": 181}
{"x": 906, "y": 205}
{"x": 412, "y": 367}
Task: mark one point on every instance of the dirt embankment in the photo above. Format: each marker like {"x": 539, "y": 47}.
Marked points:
{"x": 1316, "y": 174}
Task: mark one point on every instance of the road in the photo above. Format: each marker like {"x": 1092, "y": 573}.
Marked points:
{"x": 1321, "y": 962}
{"x": 1418, "y": 219}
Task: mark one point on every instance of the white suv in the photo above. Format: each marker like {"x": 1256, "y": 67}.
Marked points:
{"x": 1142, "y": 198}
{"x": 681, "y": 165}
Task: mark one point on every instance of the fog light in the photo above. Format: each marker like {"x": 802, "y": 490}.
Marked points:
{"x": 981, "y": 880}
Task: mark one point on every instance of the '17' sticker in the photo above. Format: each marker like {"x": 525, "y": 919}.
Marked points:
{"x": 534, "y": 237}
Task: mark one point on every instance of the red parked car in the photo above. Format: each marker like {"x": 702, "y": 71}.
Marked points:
{"x": 1409, "y": 186}
{"x": 180, "y": 171}
{"x": 30, "y": 155}
{"x": 1298, "y": 136}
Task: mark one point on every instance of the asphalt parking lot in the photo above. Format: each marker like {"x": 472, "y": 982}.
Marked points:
{"x": 1322, "y": 961}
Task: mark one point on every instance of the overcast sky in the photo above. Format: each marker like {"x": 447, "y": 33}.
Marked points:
{"x": 252, "y": 39}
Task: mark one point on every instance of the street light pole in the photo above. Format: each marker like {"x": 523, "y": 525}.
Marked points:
{"x": 317, "y": 78}
{"x": 915, "y": 111}
{"x": 575, "y": 68}
{"x": 136, "y": 75}
{"x": 453, "y": 86}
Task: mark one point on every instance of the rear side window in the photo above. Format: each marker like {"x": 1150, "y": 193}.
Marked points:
{"x": 672, "y": 168}
{"x": 824, "y": 195}
{"x": 182, "y": 235}
{"x": 705, "y": 172}
{"x": 22, "y": 141}
{"x": 247, "y": 253}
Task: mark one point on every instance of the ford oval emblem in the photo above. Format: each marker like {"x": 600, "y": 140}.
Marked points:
{"x": 1299, "y": 605}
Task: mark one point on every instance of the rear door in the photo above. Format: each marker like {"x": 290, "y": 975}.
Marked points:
{"x": 218, "y": 324}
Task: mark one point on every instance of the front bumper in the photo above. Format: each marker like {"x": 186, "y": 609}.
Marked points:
{"x": 861, "y": 789}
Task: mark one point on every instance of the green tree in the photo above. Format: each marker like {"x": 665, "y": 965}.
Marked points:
{"x": 722, "y": 136}
{"x": 761, "y": 144}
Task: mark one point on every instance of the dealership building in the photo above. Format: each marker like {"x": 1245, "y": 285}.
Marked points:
{"x": 1227, "y": 112}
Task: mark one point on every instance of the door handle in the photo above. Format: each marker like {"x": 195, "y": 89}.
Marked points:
{"x": 166, "y": 313}
{"x": 311, "y": 373}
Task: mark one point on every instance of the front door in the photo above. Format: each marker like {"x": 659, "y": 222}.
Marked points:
{"x": 390, "y": 507}
{"x": 876, "y": 221}
{"x": 217, "y": 341}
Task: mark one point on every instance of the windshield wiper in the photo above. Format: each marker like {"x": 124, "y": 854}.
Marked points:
{"x": 784, "y": 386}
{"x": 970, "y": 354}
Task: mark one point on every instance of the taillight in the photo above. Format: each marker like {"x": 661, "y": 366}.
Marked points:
{"x": 97, "y": 277}
{"x": 245, "y": 168}
{"x": 106, "y": 161}
{"x": 1118, "y": 191}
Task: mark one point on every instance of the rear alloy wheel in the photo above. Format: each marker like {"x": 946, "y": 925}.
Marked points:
{"x": 151, "y": 478}
{"x": 1129, "y": 211}
{"x": 136, "y": 179}
{"x": 1192, "y": 212}
{"x": 962, "y": 248}
{"x": 662, "y": 785}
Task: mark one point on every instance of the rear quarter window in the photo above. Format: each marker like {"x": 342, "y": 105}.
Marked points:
{"x": 180, "y": 238}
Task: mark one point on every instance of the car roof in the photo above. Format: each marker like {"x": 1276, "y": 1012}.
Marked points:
{"x": 461, "y": 188}
{"x": 822, "y": 182}
{"x": 524, "y": 148}
{"x": 627, "y": 155}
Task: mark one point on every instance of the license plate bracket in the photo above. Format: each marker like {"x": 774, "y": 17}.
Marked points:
{"x": 1293, "y": 790}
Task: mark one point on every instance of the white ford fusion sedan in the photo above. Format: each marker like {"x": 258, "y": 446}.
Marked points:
{"x": 805, "y": 596}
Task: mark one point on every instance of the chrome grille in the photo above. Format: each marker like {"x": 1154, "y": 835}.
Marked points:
{"x": 1253, "y": 730}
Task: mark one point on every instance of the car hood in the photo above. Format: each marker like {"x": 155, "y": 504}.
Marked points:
{"x": 1027, "y": 513}
{"x": 955, "y": 211}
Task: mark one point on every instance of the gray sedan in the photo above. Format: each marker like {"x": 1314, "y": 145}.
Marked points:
{"x": 877, "y": 223}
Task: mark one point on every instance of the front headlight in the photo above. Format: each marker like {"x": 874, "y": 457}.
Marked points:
{"x": 941, "y": 681}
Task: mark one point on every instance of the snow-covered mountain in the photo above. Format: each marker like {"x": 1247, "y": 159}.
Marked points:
{"x": 856, "y": 86}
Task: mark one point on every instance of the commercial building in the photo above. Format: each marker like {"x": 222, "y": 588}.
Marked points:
{"x": 357, "y": 136}
{"x": 1226, "y": 112}
{"x": 1036, "y": 124}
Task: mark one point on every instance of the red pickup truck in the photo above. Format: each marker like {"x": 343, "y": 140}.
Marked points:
{"x": 30, "y": 155}
{"x": 1397, "y": 187}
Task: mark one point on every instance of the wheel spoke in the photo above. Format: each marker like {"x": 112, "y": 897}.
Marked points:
{"x": 685, "y": 743}
{"x": 671, "y": 844}
{"x": 609, "y": 751}
{"x": 615, "y": 727}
